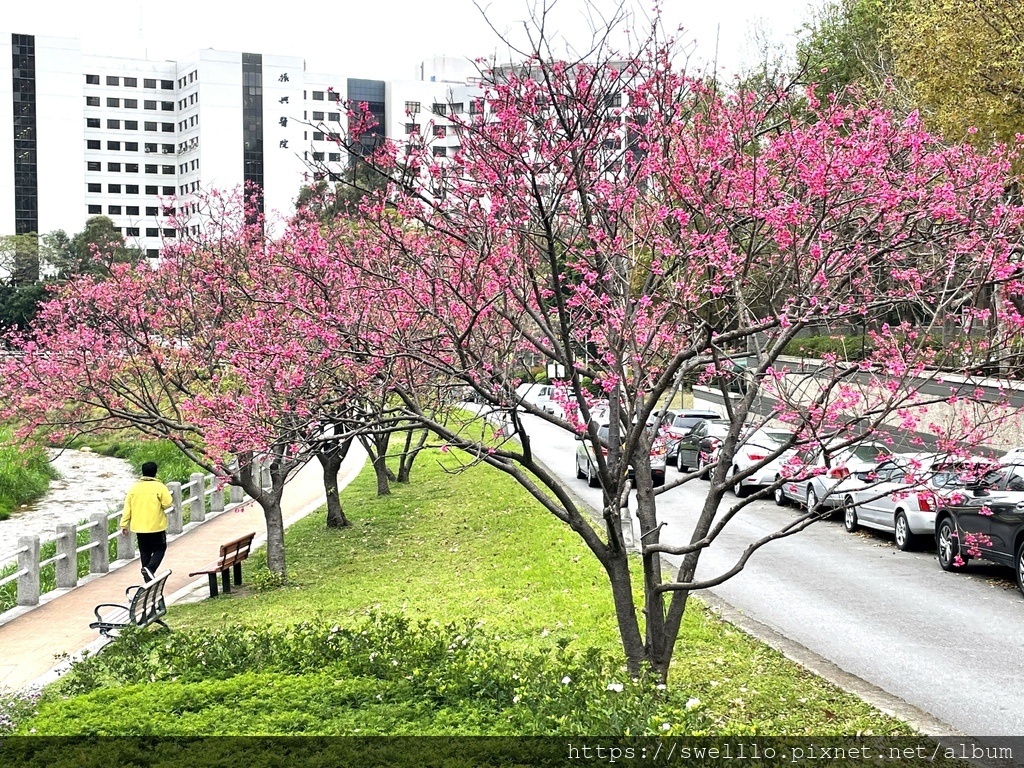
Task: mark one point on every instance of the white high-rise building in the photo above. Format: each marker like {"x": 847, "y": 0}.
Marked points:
{"x": 132, "y": 139}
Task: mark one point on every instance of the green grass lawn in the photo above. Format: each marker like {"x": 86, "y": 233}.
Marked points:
{"x": 443, "y": 609}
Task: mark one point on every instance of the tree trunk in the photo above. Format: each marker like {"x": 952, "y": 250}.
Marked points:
{"x": 331, "y": 463}
{"x": 409, "y": 455}
{"x": 380, "y": 468}
{"x": 616, "y": 565}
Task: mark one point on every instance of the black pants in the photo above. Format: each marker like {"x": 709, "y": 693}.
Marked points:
{"x": 152, "y": 547}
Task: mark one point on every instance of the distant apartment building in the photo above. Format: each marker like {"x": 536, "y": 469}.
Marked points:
{"x": 133, "y": 139}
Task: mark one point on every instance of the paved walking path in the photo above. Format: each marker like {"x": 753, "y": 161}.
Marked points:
{"x": 32, "y": 644}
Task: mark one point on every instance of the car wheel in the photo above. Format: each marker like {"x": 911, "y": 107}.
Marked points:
{"x": 780, "y": 496}
{"x": 580, "y": 474}
{"x": 901, "y": 528}
{"x": 592, "y": 478}
{"x": 702, "y": 467}
{"x": 1020, "y": 567}
{"x": 948, "y": 545}
{"x": 849, "y": 515}
{"x": 679, "y": 463}
{"x": 811, "y": 499}
{"x": 658, "y": 480}
{"x": 738, "y": 488}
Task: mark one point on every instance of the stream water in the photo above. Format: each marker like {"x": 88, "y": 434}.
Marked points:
{"x": 88, "y": 483}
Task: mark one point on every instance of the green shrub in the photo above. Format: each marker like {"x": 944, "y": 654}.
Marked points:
{"x": 388, "y": 675}
{"x": 25, "y": 474}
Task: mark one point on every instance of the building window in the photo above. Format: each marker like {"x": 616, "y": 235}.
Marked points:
{"x": 131, "y": 189}
{"x": 152, "y": 189}
{"x": 114, "y": 145}
{"x": 613, "y": 100}
{"x": 167, "y": 85}
{"x": 167, "y": 170}
{"x": 92, "y": 144}
{"x": 95, "y": 210}
{"x": 92, "y": 79}
{"x": 131, "y": 103}
{"x": 412, "y": 107}
{"x": 92, "y": 122}
{"x": 148, "y": 104}
{"x": 151, "y": 210}
{"x": 334, "y": 157}
{"x": 152, "y": 231}
{"x": 439, "y": 109}
{"x": 318, "y": 95}
{"x": 333, "y": 96}
{"x": 318, "y": 136}
{"x": 131, "y": 146}
{"x": 318, "y": 115}
{"x": 151, "y": 168}
{"x": 114, "y": 189}
{"x": 112, "y": 102}
{"x": 131, "y": 168}
{"x": 93, "y": 165}
{"x": 114, "y": 210}
{"x": 148, "y": 83}
{"x": 167, "y": 149}
{"x": 167, "y": 106}
{"x": 318, "y": 156}
{"x": 132, "y": 210}
{"x": 440, "y": 151}
{"x": 334, "y": 117}
{"x": 149, "y": 127}
{"x": 458, "y": 108}
{"x": 168, "y": 232}
{"x": 476, "y": 107}
{"x": 440, "y": 131}
{"x": 411, "y": 128}
{"x": 150, "y": 148}
{"x": 167, "y": 127}
{"x": 113, "y": 80}
{"x": 92, "y": 101}
{"x": 131, "y": 231}
{"x": 167, "y": 190}
{"x": 113, "y": 124}
{"x": 93, "y": 187}
{"x": 114, "y": 167}
{"x": 131, "y": 125}
{"x": 131, "y": 82}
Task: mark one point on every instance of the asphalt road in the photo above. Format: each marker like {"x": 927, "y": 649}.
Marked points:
{"x": 950, "y": 644}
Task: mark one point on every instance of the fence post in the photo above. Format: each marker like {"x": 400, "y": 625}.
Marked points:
{"x": 216, "y": 497}
{"x": 67, "y": 567}
{"x": 99, "y": 556}
{"x": 28, "y": 583}
{"x": 197, "y": 497}
{"x": 235, "y": 494}
{"x": 174, "y": 523}
{"x": 125, "y": 546}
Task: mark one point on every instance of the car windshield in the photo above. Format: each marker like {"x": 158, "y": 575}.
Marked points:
{"x": 868, "y": 452}
{"x": 718, "y": 430}
{"x": 685, "y": 422}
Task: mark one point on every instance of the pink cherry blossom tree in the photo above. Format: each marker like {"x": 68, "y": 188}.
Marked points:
{"x": 641, "y": 227}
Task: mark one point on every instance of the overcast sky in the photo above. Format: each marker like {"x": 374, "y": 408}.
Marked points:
{"x": 383, "y": 39}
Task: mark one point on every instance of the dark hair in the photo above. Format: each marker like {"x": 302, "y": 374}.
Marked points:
{"x": 149, "y": 469}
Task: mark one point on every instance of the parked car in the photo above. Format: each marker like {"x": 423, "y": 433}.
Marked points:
{"x": 699, "y": 447}
{"x": 985, "y": 521}
{"x": 810, "y": 489}
{"x": 537, "y": 394}
{"x": 755, "y": 448}
{"x": 901, "y": 496}
{"x": 586, "y": 465}
{"x": 681, "y": 425}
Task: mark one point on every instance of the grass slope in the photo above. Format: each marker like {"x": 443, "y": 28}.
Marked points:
{"x": 509, "y": 600}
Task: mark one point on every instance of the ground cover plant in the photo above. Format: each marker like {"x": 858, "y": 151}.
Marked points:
{"x": 454, "y": 606}
{"x": 24, "y": 474}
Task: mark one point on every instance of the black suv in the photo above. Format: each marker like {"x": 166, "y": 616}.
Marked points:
{"x": 987, "y": 521}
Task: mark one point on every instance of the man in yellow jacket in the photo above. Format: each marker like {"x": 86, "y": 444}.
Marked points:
{"x": 144, "y": 515}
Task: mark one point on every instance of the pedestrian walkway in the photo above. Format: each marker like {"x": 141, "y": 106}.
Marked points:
{"x": 35, "y": 642}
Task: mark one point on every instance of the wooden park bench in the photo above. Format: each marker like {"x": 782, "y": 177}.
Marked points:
{"x": 145, "y": 606}
{"x": 231, "y": 556}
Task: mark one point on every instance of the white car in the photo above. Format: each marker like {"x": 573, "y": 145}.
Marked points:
{"x": 902, "y": 494}
{"x": 757, "y": 447}
{"x": 814, "y": 481}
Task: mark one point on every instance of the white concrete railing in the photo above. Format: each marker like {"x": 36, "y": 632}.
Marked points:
{"x": 65, "y": 561}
